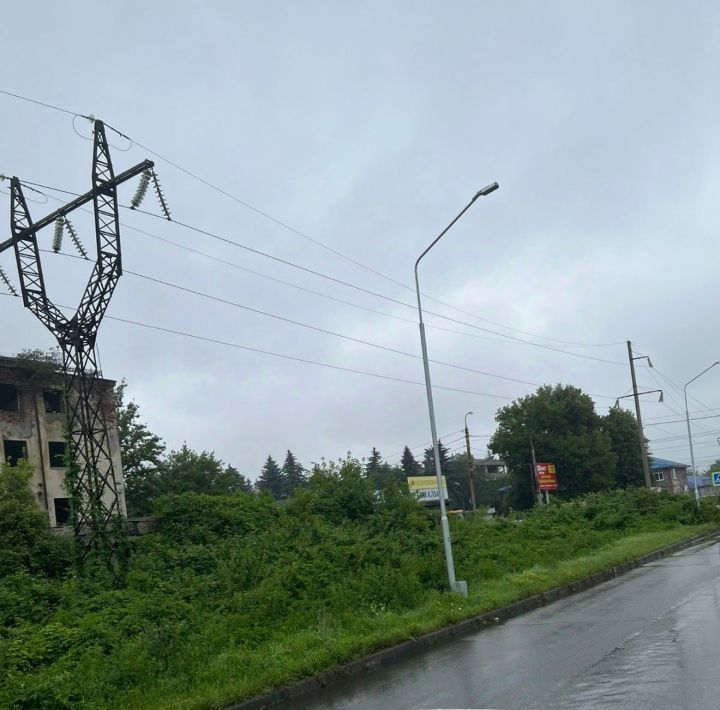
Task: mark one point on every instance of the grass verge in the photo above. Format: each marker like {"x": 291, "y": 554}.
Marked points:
{"x": 237, "y": 675}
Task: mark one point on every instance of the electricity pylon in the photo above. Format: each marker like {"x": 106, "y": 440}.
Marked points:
{"x": 95, "y": 507}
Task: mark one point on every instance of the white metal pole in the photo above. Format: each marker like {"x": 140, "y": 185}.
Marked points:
{"x": 687, "y": 420}
{"x": 455, "y": 586}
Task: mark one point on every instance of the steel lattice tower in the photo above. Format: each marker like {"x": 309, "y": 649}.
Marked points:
{"x": 95, "y": 508}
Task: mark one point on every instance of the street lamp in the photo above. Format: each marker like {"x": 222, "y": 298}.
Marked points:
{"x": 687, "y": 419}
{"x": 471, "y": 465}
{"x": 455, "y": 586}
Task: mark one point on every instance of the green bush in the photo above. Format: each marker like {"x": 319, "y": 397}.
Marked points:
{"x": 243, "y": 591}
{"x": 26, "y": 543}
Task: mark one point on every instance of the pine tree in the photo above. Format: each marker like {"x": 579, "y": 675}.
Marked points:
{"x": 409, "y": 464}
{"x": 243, "y": 483}
{"x": 429, "y": 460}
{"x": 272, "y": 480}
{"x": 448, "y": 469}
{"x": 373, "y": 465}
{"x": 293, "y": 472}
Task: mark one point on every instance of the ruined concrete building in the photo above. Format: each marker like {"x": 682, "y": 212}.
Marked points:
{"x": 32, "y": 426}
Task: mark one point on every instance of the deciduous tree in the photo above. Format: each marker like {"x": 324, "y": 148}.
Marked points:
{"x": 566, "y": 431}
{"x": 621, "y": 426}
{"x": 141, "y": 452}
{"x": 185, "y": 471}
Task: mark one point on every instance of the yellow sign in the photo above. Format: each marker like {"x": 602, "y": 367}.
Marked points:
{"x": 425, "y": 488}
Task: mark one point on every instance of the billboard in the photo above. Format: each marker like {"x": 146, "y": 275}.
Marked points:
{"x": 546, "y": 476}
{"x": 425, "y": 488}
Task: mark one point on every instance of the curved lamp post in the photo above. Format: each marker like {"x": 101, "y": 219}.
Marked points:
{"x": 455, "y": 586}
{"x": 687, "y": 419}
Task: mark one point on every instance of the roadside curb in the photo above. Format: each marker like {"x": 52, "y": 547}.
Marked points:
{"x": 476, "y": 623}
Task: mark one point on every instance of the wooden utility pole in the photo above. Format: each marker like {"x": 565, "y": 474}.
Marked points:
{"x": 471, "y": 468}
{"x": 536, "y": 493}
{"x": 641, "y": 434}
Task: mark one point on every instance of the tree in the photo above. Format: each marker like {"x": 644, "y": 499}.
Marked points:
{"x": 244, "y": 484}
{"x": 341, "y": 491}
{"x": 380, "y": 473}
{"x": 141, "y": 452}
{"x": 455, "y": 476}
{"x": 621, "y": 426}
{"x": 373, "y": 464}
{"x": 409, "y": 464}
{"x": 566, "y": 431}
{"x": 26, "y": 542}
{"x": 45, "y": 366}
{"x": 713, "y": 467}
{"x": 272, "y": 480}
{"x": 293, "y": 472}
{"x": 186, "y": 471}
{"x": 429, "y": 460}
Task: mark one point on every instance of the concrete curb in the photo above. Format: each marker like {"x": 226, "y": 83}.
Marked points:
{"x": 475, "y": 623}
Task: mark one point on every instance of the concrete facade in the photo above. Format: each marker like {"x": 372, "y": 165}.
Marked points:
{"x": 32, "y": 426}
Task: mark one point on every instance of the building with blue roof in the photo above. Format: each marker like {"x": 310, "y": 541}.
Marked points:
{"x": 670, "y": 476}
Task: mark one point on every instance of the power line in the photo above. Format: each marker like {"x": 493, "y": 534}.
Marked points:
{"x": 376, "y": 294}
{"x": 302, "y": 234}
{"x": 690, "y": 395}
{"x": 426, "y": 443}
{"x": 692, "y": 419}
{"x": 501, "y": 339}
{"x": 292, "y": 285}
{"x": 318, "y": 329}
{"x": 306, "y": 361}
{"x": 42, "y": 103}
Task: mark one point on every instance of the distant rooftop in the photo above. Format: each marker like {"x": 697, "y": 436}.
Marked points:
{"x": 656, "y": 463}
{"x": 699, "y": 481}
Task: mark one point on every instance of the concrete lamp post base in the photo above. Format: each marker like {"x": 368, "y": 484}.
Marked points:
{"x": 459, "y": 587}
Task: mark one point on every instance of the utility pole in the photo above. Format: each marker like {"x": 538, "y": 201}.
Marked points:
{"x": 641, "y": 434}
{"x": 471, "y": 466}
{"x": 95, "y": 508}
{"x": 533, "y": 478}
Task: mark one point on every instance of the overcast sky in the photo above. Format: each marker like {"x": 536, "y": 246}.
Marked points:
{"x": 367, "y": 127}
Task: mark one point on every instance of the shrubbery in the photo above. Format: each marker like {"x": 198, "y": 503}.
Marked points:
{"x": 239, "y": 587}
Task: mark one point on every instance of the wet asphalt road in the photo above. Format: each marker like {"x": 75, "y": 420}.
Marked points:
{"x": 649, "y": 639}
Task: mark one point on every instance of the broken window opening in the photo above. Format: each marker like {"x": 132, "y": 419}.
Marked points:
{"x": 57, "y": 451}
{"x": 14, "y": 451}
{"x": 8, "y": 398}
{"x": 62, "y": 511}
{"x": 54, "y": 402}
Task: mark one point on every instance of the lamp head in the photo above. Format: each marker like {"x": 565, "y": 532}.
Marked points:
{"x": 486, "y": 190}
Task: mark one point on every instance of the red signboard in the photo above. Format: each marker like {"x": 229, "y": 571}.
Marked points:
{"x": 546, "y": 476}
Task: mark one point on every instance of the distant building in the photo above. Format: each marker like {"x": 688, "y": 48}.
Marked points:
{"x": 490, "y": 468}
{"x": 704, "y": 485}
{"x": 669, "y": 476}
{"x": 32, "y": 426}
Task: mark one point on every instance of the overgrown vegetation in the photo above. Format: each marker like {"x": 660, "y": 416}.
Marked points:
{"x": 237, "y": 594}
